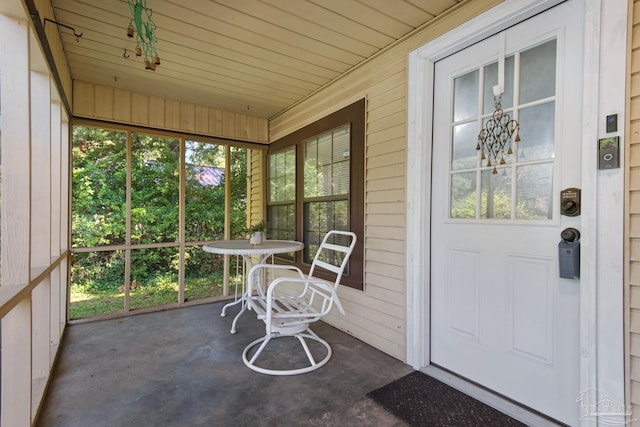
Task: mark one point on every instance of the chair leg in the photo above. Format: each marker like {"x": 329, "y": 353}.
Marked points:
{"x": 306, "y": 349}
{"x": 265, "y": 340}
{"x": 313, "y": 365}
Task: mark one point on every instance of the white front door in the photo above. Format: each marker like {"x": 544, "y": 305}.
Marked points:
{"x": 500, "y": 315}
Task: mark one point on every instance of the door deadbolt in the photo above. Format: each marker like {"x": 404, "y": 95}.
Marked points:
{"x": 570, "y": 202}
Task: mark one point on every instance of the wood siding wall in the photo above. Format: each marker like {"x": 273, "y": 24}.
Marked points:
{"x": 377, "y": 314}
{"x": 632, "y": 276}
{"x": 122, "y": 106}
{"x": 256, "y": 209}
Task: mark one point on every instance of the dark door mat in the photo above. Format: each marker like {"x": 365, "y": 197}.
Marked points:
{"x": 421, "y": 400}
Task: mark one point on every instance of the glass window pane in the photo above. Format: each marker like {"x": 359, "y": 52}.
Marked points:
{"x": 204, "y": 191}
{"x": 465, "y": 140}
{"x": 495, "y": 133}
{"x": 325, "y": 175}
{"x": 535, "y": 192}
{"x": 282, "y": 225}
{"x": 491, "y": 79}
{"x": 325, "y": 149}
{"x": 97, "y": 284}
{"x": 320, "y": 217}
{"x": 465, "y": 96}
{"x": 99, "y": 188}
{"x": 282, "y": 175}
{"x": 341, "y": 178}
{"x": 463, "y": 195}
{"x": 281, "y": 222}
{"x": 341, "y": 160}
{"x": 538, "y": 72}
{"x": 495, "y": 199}
{"x": 537, "y": 130}
{"x": 327, "y": 164}
{"x": 155, "y": 168}
{"x": 341, "y": 144}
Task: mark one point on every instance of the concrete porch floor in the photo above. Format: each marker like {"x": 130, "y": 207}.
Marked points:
{"x": 183, "y": 368}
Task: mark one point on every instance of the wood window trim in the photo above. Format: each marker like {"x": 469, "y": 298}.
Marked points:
{"x": 353, "y": 114}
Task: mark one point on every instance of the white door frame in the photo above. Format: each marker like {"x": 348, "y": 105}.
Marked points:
{"x": 601, "y": 222}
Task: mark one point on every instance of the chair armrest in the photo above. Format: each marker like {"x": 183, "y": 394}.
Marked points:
{"x": 325, "y": 286}
{"x": 256, "y": 270}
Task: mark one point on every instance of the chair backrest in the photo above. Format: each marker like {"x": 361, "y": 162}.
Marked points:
{"x": 334, "y": 252}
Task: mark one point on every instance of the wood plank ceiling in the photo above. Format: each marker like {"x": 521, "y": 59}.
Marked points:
{"x": 253, "y": 56}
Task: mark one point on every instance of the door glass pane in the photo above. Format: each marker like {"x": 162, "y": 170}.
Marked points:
{"x": 465, "y": 138}
{"x": 538, "y": 72}
{"x": 535, "y": 191}
{"x": 537, "y": 80}
{"x": 465, "y": 96}
{"x": 463, "y": 195}
{"x": 495, "y": 201}
{"x": 491, "y": 79}
{"x": 537, "y": 132}
{"x": 155, "y": 168}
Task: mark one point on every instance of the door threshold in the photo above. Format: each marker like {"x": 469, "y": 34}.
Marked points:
{"x": 490, "y": 398}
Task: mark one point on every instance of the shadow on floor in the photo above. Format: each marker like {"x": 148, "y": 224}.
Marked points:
{"x": 183, "y": 368}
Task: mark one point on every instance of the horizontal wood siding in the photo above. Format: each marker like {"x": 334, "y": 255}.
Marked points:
{"x": 116, "y": 105}
{"x": 632, "y": 284}
{"x": 377, "y": 314}
{"x": 256, "y": 208}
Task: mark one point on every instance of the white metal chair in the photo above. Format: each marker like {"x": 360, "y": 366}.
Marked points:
{"x": 291, "y": 303}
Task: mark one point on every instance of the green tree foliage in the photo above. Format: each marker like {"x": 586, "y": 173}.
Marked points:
{"x": 99, "y": 194}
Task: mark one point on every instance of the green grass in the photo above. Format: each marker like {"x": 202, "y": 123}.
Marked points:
{"x": 158, "y": 292}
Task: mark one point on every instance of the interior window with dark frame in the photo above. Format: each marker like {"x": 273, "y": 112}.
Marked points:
{"x": 315, "y": 179}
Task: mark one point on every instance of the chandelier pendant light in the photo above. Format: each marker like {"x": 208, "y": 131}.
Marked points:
{"x": 495, "y": 140}
{"x": 143, "y": 29}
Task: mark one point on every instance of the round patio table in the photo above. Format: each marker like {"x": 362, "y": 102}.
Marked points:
{"x": 247, "y": 250}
